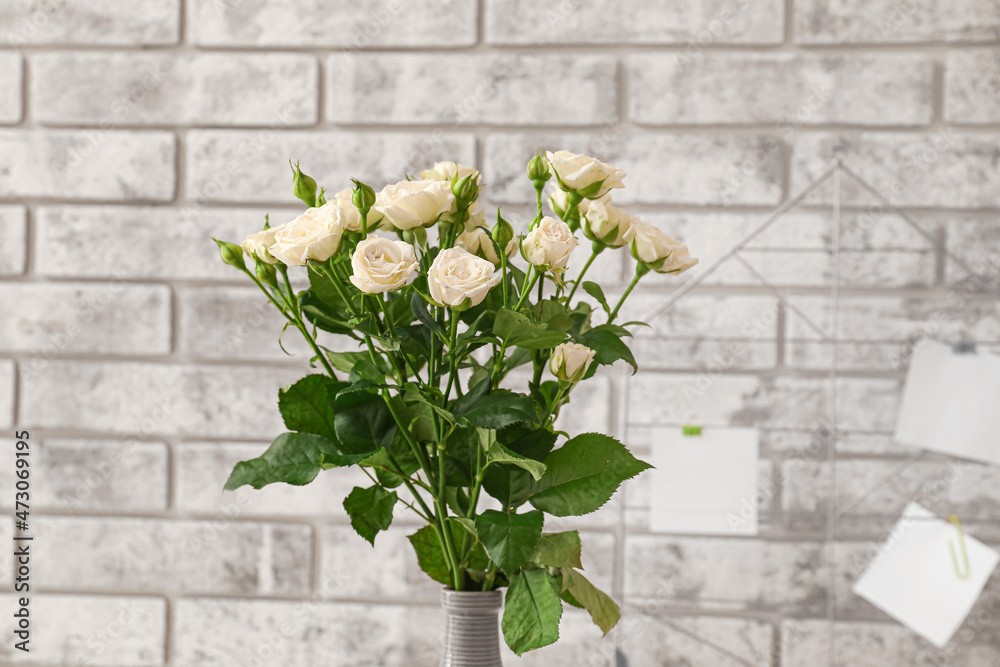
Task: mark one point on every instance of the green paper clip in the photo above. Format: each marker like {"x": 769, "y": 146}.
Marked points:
{"x": 690, "y": 429}
{"x": 961, "y": 546}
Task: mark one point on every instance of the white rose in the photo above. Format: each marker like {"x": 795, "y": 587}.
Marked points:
{"x": 478, "y": 241}
{"x": 559, "y": 202}
{"x": 549, "y": 245}
{"x": 352, "y": 216}
{"x": 313, "y": 235}
{"x": 257, "y": 244}
{"x": 410, "y": 204}
{"x": 680, "y": 260}
{"x": 382, "y": 265}
{"x": 446, "y": 171}
{"x": 571, "y": 361}
{"x": 591, "y": 178}
{"x": 457, "y": 275}
{"x": 662, "y": 253}
{"x": 604, "y": 220}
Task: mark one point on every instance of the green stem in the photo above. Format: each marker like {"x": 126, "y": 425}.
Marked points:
{"x": 579, "y": 279}
{"x": 293, "y": 305}
{"x": 631, "y": 286}
{"x": 442, "y": 514}
{"x": 337, "y": 282}
{"x": 491, "y": 574}
{"x": 526, "y": 288}
{"x": 451, "y": 353}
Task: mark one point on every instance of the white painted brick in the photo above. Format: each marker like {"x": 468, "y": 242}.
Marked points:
{"x": 29, "y": 23}
{"x": 388, "y": 572}
{"x": 214, "y": 632}
{"x": 13, "y": 240}
{"x": 103, "y": 475}
{"x": 889, "y": 21}
{"x": 972, "y": 86}
{"x": 225, "y": 401}
{"x": 699, "y": 354}
{"x": 705, "y": 640}
{"x": 142, "y": 242}
{"x": 497, "y": 89}
{"x": 806, "y": 643}
{"x": 872, "y": 494}
{"x": 589, "y": 409}
{"x": 974, "y": 242}
{"x": 6, "y": 394}
{"x": 580, "y": 643}
{"x": 237, "y": 323}
{"x": 10, "y": 88}
{"x": 87, "y": 164}
{"x": 795, "y": 251}
{"x": 349, "y": 25}
{"x": 708, "y": 316}
{"x": 244, "y": 167}
{"x": 90, "y": 630}
{"x": 879, "y": 332}
{"x": 697, "y": 23}
{"x": 796, "y": 230}
{"x": 658, "y": 399}
{"x": 868, "y": 404}
{"x": 942, "y": 169}
{"x": 61, "y": 318}
{"x": 202, "y": 469}
{"x": 784, "y": 88}
{"x": 662, "y": 168}
{"x": 606, "y": 270}
{"x": 812, "y": 268}
{"x": 153, "y": 555}
{"x": 780, "y": 402}
{"x": 724, "y": 572}
{"x": 88, "y": 88}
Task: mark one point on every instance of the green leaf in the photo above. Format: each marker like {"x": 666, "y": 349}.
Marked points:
{"x": 293, "y": 458}
{"x": 608, "y": 345}
{"x": 579, "y": 592}
{"x": 363, "y": 422}
{"x": 419, "y": 307}
{"x": 511, "y": 485}
{"x": 510, "y": 539}
{"x": 532, "y": 611}
{"x": 370, "y": 510}
{"x": 345, "y": 361}
{"x": 431, "y": 558}
{"x": 306, "y": 406}
{"x": 583, "y": 474}
{"x": 467, "y": 524}
{"x": 554, "y": 314}
{"x": 516, "y": 329}
{"x": 559, "y": 550}
{"x": 594, "y": 290}
{"x": 364, "y": 369}
{"x": 494, "y": 411}
{"x": 500, "y": 454}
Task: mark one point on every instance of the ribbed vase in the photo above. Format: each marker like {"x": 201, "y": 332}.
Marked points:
{"x": 472, "y": 635}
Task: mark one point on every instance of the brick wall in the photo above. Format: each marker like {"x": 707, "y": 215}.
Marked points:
{"x": 131, "y": 132}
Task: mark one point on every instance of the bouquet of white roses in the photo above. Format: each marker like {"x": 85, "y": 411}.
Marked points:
{"x": 444, "y": 309}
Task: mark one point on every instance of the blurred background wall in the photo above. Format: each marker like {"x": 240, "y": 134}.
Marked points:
{"x": 144, "y": 368}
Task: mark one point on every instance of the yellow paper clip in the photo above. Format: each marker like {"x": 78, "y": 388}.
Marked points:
{"x": 961, "y": 546}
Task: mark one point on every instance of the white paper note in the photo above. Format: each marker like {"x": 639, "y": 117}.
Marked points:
{"x": 912, "y": 578}
{"x": 950, "y": 403}
{"x": 705, "y": 484}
